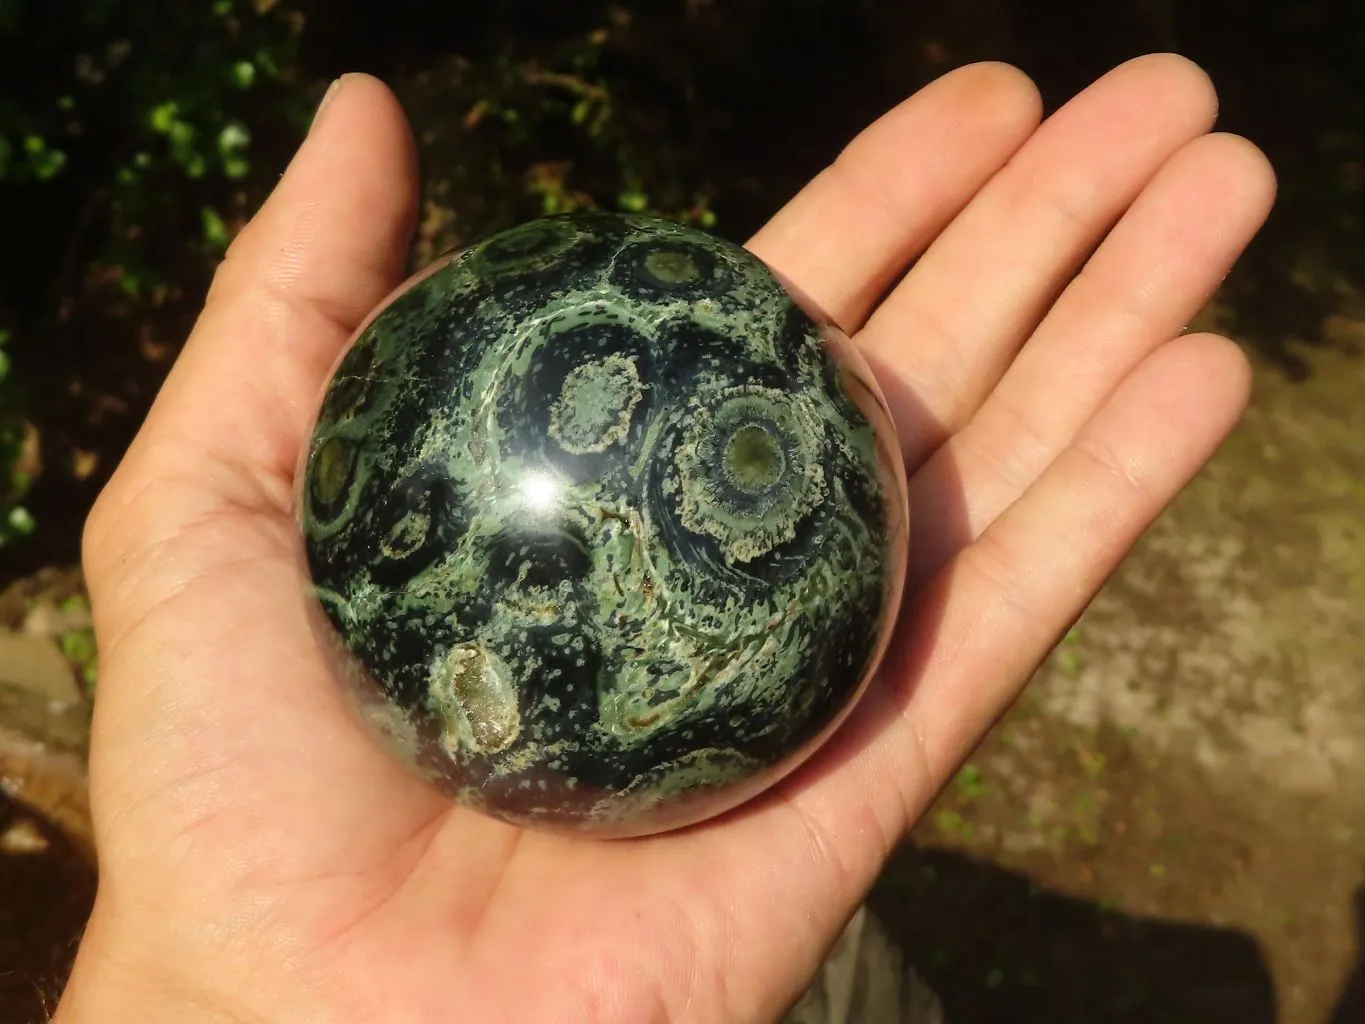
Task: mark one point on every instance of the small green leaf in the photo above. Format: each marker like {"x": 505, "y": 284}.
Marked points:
{"x": 74, "y": 604}
{"x": 222, "y": 8}
{"x": 34, "y": 144}
{"x": 48, "y": 164}
{"x": 233, "y": 138}
{"x": 633, "y": 201}
{"x": 267, "y": 63}
{"x": 216, "y": 232}
{"x": 163, "y": 117}
{"x": 971, "y": 784}
{"x": 21, "y": 521}
{"x": 243, "y": 74}
{"x": 181, "y": 133}
{"x": 66, "y": 103}
{"x": 78, "y": 645}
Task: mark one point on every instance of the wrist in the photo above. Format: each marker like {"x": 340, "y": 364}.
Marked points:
{"x": 109, "y": 981}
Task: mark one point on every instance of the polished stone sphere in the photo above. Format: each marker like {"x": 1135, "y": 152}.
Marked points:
{"x": 610, "y": 528}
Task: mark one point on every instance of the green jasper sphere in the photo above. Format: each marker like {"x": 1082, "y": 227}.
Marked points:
{"x": 611, "y": 529}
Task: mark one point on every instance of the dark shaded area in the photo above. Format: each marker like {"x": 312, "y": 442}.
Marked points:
{"x": 744, "y": 101}
{"x": 757, "y": 96}
{"x": 749, "y": 98}
{"x": 46, "y": 892}
{"x": 995, "y": 948}
{"x": 1350, "y": 1006}
{"x": 1290, "y": 77}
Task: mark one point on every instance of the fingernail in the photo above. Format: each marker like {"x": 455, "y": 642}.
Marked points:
{"x": 327, "y": 98}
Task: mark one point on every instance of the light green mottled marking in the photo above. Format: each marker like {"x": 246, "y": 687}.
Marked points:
{"x": 744, "y": 442}
{"x": 672, "y": 266}
{"x": 753, "y": 459}
{"x": 407, "y": 535}
{"x": 707, "y": 768}
{"x": 595, "y": 405}
{"x": 474, "y": 692}
{"x": 332, "y": 468}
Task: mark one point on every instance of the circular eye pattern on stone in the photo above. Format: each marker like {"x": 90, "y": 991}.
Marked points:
{"x": 475, "y": 694}
{"x": 582, "y": 399}
{"x": 672, "y": 267}
{"x": 661, "y": 269}
{"x": 528, "y": 247}
{"x": 419, "y": 526}
{"x": 749, "y": 470}
{"x": 754, "y": 459}
{"x": 330, "y": 471}
{"x": 595, "y": 405}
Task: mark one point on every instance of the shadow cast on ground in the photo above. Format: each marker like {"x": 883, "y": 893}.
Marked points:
{"x": 995, "y": 948}
{"x": 46, "y": 891}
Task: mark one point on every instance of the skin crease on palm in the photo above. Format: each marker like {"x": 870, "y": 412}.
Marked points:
{"x": 262, "y": 860}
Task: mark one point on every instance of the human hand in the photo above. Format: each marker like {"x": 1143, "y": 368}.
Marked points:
{"x": 262, "y": 859}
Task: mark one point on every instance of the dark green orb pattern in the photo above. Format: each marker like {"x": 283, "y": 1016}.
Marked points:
{"x": 612, "y": 523}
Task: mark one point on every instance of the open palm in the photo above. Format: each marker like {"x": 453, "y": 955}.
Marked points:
{"x": 262, "y": 859}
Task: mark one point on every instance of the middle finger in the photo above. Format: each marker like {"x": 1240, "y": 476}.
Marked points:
{"x": 948, "y": 331}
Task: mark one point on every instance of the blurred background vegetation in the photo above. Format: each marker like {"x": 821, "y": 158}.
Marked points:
{"x": 136, "y": 137}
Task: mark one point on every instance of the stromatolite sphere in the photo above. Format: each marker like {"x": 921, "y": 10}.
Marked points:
{"x": 614, "y": 528}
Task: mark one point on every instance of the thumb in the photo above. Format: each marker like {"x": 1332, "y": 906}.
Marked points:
{"x": 227, "y": 426}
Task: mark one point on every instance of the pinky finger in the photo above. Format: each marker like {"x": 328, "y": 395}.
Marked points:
{"x": 1004, "y": 601}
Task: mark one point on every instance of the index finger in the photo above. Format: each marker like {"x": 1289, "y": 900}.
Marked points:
{"x": 851, "y": 233}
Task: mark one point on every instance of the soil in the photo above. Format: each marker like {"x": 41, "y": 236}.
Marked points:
{"x": 1171, "y": 824}
{"x": 47, "y": 856}
{"x": 46, "y": 890}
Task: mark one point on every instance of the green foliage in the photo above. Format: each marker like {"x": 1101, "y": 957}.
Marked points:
{"x": 15, "y": 520}
{"x": 172, "y": 67}
{"x": 141, "y": 116}
{"x": 78, "y": 645}
{"x": 970, "y": 784}
{"x": 549, "y": 129}
{"x": 145, "y": 101}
